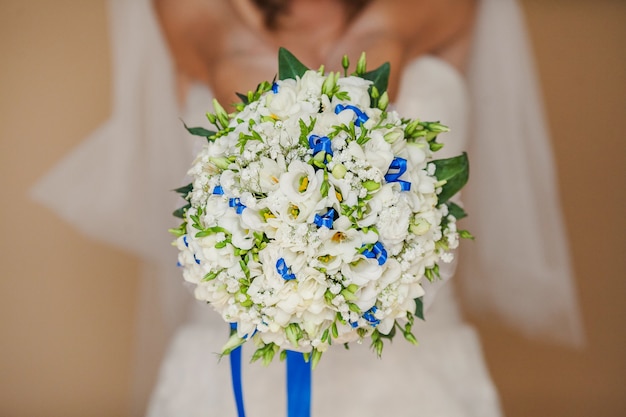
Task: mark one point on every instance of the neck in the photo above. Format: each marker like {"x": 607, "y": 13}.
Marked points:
{"x": 314, "y": 25}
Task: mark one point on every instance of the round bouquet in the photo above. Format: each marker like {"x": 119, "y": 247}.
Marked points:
{"x": 315, "y": 211}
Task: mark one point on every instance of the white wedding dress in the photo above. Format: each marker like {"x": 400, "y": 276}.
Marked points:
{"x": 518, "y": 267}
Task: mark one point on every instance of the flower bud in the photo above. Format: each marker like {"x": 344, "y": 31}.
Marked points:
{"x": 383, "y": 102}
{"x": 419, "y": 226}
{"x": 339, "y": 171}
{"x": 233, "y": 343}
{"x": 393, "y": 135}
{"x": 220, "y": 162}
{"x": 361, "y": 64}
{"x": 345, "y": 63}
{"x": 220, "y": 113}
{"x": 371, "y": 185}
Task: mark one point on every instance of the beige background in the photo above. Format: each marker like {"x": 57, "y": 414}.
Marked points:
{"x": 67, "y": 303}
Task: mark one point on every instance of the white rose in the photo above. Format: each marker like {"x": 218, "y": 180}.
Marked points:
{"x": 284, "y": 103}
{"x": 378, "y": 152}
{"x": 357, "y": 89}
{"x": 310, "y": 86}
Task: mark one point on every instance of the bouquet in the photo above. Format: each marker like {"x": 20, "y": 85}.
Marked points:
{"x": 315, "y": 211}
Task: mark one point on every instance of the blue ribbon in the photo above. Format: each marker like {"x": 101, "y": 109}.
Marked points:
{"x": 370, "y": 317}
{"x": 218, "y": 190}
{"x": 275, "y": 88}
{"x": 236, "y": 204}
{"x": 396, "y": 169}
{"x": 326, "y": 220}
{"x": 378, "y": 252}
{"x": 298, "y": 385}
{"x": 320, "y": 144}
{"x": 361, "y": 117}
{"x": 235, "y": 373}
{"x": 284, "y": 270}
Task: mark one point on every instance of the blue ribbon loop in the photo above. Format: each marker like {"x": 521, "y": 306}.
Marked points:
{"x": 320, "y": 144}
{"x": 284, "y": 270}
{"x": 218, "y": 190}
{"x": 298, "y": 385}
{"x": 397, "y": 168}
{"x": 370, "y": 317}
{"x": 378, "y": 252}
{"x": 235, "y": 373}
{"x": 236, "y": 204}
{"x": 326, "y": 220}
{"x": 361, "y": 117}
{"x": 275, "y": 88}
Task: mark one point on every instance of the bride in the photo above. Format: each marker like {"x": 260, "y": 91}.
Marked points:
{"x": 173, "y": 56}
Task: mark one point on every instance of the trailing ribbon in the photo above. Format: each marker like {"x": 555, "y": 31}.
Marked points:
{"x": 235, "y": 373}
{"x": 298, "y": 385}
{"x": 396, "y": 169}
{"x": 361, "y": 117}
{"x": 320, "y": 144}
{"x": 298, "y": 382}
{"x": 284, "y": 270}
{"x": 236, "y": 204}
{"x": 378, "y": 252}
{"x": 326, "y": 220}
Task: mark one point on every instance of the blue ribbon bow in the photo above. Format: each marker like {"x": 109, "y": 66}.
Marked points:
{"x": 361, "y": 117}
{"x": 370, "y": 317}
{"x": 218, "y": 190}
{"x": 378, "y": 252}
{"x": 320, "y": 144}
{"x": 275, "y": 88}
{"x": 397, "y": 168}
{"x": 284, "y": 270}
{"x": 236, "y": 204}
{"x": 326, "y": 220}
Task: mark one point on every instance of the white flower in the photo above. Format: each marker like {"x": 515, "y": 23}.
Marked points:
{"x": 357, "y": 89}
{"x": 299, "y": 183}
{"x": 378, "y": 152}
{"x": 285, "y": 102}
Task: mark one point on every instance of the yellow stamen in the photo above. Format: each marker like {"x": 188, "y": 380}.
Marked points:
{"x": 304, "y": 183}
{"x": 338, "y": 237}
{"x": 294, "y": 211}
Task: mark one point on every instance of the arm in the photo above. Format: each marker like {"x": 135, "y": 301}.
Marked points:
{"x": 397, "y": 31}
{"x": 184, "y": 22}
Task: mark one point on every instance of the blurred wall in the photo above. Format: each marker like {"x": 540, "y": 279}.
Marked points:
{"x": 67, "y": 303}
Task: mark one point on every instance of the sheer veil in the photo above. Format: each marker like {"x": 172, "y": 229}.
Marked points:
{"x": 518, "y": 266}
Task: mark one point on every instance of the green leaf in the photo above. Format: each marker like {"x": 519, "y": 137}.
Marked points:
{"x": 289, "y": 66}
{"x": 419, "y": 308}
{"x": 455, "y": 172}
{"x": 243, "y": 98}
{"x": 380, "y": 77}
{"x": 185, "y": 190}
{"x": 199, "y": 131}
{"x": 180, "y": 213}
{"x": 456, "y": 210}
